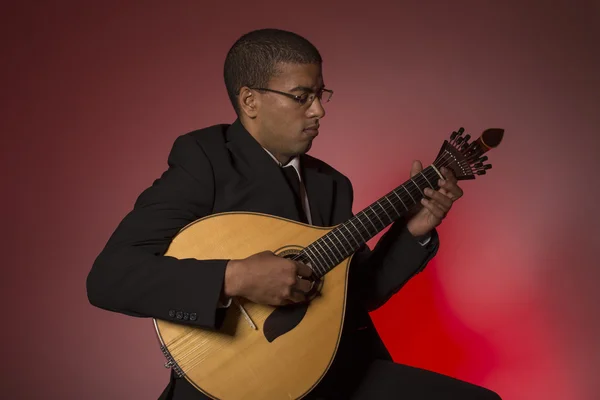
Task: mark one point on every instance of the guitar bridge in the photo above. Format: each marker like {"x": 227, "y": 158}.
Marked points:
{"x": 171, "y": 363}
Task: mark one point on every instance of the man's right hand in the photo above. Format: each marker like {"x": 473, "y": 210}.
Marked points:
{"x": 265, "y": 278}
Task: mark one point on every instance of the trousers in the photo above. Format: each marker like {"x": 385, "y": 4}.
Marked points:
{"x": 386, "y": 380}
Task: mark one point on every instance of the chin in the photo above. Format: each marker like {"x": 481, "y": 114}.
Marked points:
{"x": 304, "y": 149}
{"x": 299, "y": 148}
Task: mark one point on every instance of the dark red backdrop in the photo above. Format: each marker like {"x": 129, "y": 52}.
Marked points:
{"x": 93, "y": 97}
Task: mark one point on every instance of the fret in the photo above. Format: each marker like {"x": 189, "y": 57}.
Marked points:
{"x": 324, "y": 251}
{"x": 309, "y": 248}
{"x": 382, "y": 224}
{"x": 413, "y": 199}
{"x": 309, "y": 261}
{"x": 389, "y": 201}
{"x": 328, "y": 251}
{"x": 359, "y": 220}
{"x": 388, "y": 215}
{"x": 339, "y": 241}
{"x": 424, "y": 176}
{"x": 400, "y": 198}
{"x": 321, "y": 254}
{"x": 351, "y": 235}
{"x": 369, "y": 218}
{"x": 333, "y": 244}
{"x": 321, "y": 265}
{"x": 360, "y": 234}
{"x": 418, "y": 188}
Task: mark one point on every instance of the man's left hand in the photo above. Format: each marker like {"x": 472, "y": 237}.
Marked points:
{"x": 437, "y": 204}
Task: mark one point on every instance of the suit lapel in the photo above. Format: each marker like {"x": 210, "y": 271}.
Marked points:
{"x": 276, "y": 194}
{"x": 319, "y": 188}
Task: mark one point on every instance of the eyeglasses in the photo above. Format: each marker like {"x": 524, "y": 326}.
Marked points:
{"x": 324, "y": 95}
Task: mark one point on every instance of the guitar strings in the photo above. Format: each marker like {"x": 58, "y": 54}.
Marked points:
{"x": 323, "y": 255}
{"x": 326, "y": 257}
{"x": 420, "y": 178}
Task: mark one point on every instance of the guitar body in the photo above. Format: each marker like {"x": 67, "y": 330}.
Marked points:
{"x": 238, "y": 361}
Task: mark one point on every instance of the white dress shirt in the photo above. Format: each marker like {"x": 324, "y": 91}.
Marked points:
{"x": 295, "y": 162}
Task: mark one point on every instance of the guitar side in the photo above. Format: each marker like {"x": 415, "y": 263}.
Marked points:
{"x": 237, "y": 361}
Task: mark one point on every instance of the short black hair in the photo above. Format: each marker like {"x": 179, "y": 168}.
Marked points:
{"x": 252, "y": 59}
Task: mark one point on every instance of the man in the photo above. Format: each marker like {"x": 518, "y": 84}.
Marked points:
{"x": 275, "y": 84}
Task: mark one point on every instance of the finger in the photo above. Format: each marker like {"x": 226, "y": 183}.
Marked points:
{"x": 448, "y": 174}
{"x": 440, "y": 199}
{"x": 430, "y": 191}
{"x": 303, "y": 285}
{"x": 442, "y": 190}
{"x": 303, "y": 269}
{"x": 433, "y": 208}
{"x": 451, "y": 189}
{"x": 297, "y": 296}
{"x": 416, "y": 168}
{"x": 446, "y": 193}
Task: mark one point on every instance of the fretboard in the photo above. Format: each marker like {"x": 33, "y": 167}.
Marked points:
{"x": 345, "y": 239}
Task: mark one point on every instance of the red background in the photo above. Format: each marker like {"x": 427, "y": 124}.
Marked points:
{"x": 94, "y": 95}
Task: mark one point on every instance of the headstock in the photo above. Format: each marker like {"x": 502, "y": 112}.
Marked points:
{"x": 464, "y": 158}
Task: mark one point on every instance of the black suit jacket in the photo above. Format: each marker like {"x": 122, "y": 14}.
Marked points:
{"x": 223, "y": 168}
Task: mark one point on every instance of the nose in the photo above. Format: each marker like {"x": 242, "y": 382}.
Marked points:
{"x": 316, "y": 109}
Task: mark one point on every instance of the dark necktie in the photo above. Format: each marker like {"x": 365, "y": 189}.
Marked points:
{"x": 294, "y": 181}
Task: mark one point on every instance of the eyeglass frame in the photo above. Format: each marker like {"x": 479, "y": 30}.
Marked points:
{"x": 298, "y": 98}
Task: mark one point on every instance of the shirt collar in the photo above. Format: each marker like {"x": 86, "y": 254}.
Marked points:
{"x": 294, "y": 162}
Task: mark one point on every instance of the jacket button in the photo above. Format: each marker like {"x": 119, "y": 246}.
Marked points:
{"x": 172, "y": 313}
{"x": 186, "y": 316}
{"x": 193, "y": 316}
{"x": 179, "y": 315}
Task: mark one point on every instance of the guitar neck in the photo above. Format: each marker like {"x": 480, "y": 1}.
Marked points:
{"x": 345, "y": 239}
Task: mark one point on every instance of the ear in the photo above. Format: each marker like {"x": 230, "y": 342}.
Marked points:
{"x": 249, "y": 102}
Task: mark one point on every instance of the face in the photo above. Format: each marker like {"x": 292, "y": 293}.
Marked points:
{"x": 281, "y": 124}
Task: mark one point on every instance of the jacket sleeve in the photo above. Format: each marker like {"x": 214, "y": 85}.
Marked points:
{"x": 380, "y": 273}
{"x": 133, "y": 276}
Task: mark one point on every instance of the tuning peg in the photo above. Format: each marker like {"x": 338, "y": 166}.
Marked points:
{"x": 456, "y": 134}
{"x": 483, "y": 159}
{"x": 488, "y": 166}
{"x": 481, "y": 172}
{"x": 478, "y": 165}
